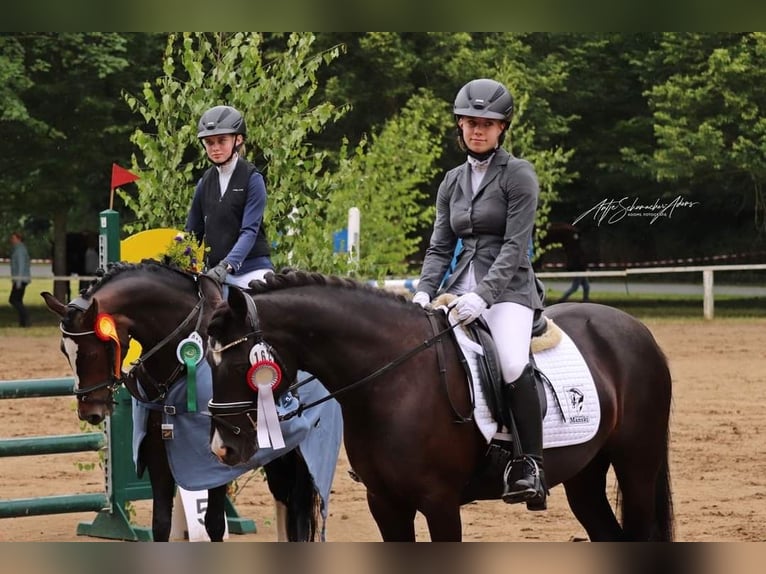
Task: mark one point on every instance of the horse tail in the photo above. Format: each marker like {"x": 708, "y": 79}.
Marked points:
{"x": 664, "y": 529}
{"x": 291, "y": 484}
{"x": 303, "y": 504}
{"x": 664, "y": 526}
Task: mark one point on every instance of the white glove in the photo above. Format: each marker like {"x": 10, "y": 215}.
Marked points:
{"x": 421, "y": 298}
{"x": 469, "y": 307}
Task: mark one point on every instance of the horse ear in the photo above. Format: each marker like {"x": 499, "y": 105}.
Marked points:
{"x": 89, "y": 317}
{"x": 237, "y": 303}
{"x": 54, "y": 304}
{"x": 210, "y": 289}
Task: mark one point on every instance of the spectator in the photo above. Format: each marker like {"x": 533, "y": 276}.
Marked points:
{"x": 576, "y": 262}
{"x": 20, "y": 277}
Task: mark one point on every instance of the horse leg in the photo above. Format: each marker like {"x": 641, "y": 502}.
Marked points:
{"x": 215, "y": 514}
{"x": 295, "y": 497}
{"x": 586, "y": 494}
{"x": 395, "y": 522}
{"x": 444, "y": 521}
{"x": 163, "y": 485}
{"x": 644, "y": 485}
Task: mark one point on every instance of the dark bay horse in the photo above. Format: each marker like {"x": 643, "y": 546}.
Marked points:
{"x": 160, "y": 306}
{"x": 405, "y": 404}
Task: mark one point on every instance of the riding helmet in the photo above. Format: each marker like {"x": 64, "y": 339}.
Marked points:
{"x": 221, "y": 120}
{"x": 484, "y": 98}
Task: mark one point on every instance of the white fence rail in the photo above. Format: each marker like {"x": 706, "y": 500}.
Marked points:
{"x": 708, "y": 283}
{"x": 42, "y": 270}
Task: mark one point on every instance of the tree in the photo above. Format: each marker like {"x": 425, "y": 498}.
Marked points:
{"x": 706, "y": 95}
{"x": 274, "y": 92}
{"x": 61, "y": 125}
{"x": 384, "y": 178}
{"x": 273, "y": 81}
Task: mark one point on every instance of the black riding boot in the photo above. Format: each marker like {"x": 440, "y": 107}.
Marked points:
{"x": 524, "y": 477}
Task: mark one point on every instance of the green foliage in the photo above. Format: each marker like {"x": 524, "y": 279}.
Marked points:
{"x": 706, "y": 96}
{"x": 276, "y": 91}
{"x": 384, "y": 178}
{"x": 274, "y": 94}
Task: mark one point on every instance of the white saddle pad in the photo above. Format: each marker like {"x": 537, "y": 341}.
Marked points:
{"x": 573, "y": 412}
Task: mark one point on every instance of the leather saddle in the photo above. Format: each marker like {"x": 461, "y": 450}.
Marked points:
{"x": 491, "y": 378}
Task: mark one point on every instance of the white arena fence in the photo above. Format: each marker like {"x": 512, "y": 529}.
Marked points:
{"x": 707, "y": 271}
{"x": 41, "y": 269}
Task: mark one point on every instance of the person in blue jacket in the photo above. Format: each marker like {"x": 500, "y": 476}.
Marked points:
{"x": 229, "y": 203}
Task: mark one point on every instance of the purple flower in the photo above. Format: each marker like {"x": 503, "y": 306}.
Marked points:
{"x": 187, "y": 251}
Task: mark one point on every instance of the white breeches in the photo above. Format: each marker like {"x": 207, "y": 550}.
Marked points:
{"x": 243, "y": 281}
{"x": 511, "y": 328}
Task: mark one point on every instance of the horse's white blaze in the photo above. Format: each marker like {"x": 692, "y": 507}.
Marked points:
{"x": 70, "y": 348}
{"x": 281, "y": 509}
{"x": 217, "y": 446}
{"x": 214, "y": 352}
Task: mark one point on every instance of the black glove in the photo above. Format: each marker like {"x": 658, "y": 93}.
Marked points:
{"x": 219, "y": 272}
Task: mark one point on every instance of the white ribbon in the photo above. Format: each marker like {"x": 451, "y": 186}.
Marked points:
{"x": 268, "y": 430}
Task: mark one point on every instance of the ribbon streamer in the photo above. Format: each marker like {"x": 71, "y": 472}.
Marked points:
{"x": 191, "y": 384}
{"x": 268, "y": 430}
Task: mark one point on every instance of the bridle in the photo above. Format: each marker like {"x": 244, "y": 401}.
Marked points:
{"x": 220, "y": 411}
{"x": 113, "y": 382}
{"x": 116, "y": 377}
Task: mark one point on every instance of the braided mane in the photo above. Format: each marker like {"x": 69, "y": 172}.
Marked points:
{"x": 115, "y": 269}
{"x": 287, "y": 278}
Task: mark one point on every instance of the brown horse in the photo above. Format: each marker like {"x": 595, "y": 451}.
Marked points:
{"x": 406, "y": 405}
{"x": 160, "y": 306}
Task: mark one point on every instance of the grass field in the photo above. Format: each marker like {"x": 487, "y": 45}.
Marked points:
{"x": 642, "y": 306}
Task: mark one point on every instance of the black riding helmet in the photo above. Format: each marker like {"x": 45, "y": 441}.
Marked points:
{"x": 483, "y": 98}
{"x": 221, "y": 120}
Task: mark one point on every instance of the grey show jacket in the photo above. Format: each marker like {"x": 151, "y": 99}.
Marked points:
{"x": 495, "y": 226}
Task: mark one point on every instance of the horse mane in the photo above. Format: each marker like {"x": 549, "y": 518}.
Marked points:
{"x": 288, "y": 278}
{"x": 115, "y": 269}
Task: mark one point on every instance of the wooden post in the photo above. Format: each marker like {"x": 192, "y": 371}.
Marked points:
{"x": 707, "y": 290}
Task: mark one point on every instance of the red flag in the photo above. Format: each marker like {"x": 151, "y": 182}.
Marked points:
{"x": 121, "y": 176}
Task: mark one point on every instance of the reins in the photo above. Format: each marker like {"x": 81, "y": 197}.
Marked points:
{"x": 174, "y": 332}
{"x": 162, "y": 388}
{"x": 382, "y": 370}
{"x": 115, "y": 382}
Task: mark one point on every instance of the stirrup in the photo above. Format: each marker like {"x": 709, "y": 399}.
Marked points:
{"x": 534, "y": 496}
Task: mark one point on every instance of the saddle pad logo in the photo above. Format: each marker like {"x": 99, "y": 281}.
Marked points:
{"x": 576, "y": 400}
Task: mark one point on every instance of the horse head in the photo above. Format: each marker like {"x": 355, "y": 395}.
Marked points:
{"x": 252, "y": 366}
{"x": 157, "y": 305}
{"x": 94, "y": 344}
